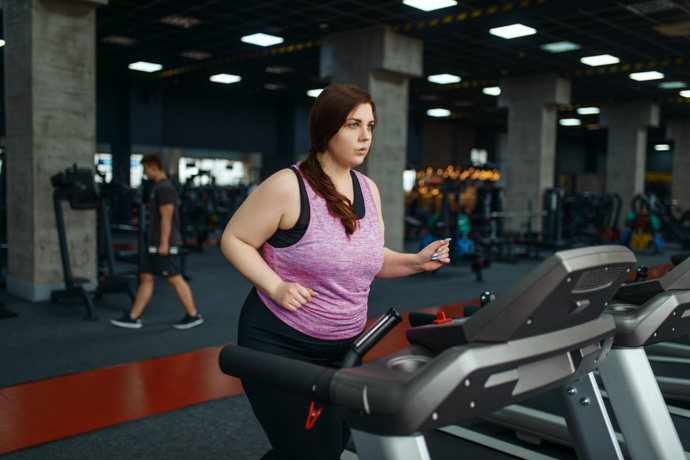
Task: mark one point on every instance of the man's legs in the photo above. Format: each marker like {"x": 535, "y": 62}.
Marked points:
{"x": 184, "y": 293}
{"x": 144, "y": 294}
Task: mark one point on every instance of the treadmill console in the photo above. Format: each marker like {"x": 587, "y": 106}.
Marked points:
{"x": 569, "y": 288}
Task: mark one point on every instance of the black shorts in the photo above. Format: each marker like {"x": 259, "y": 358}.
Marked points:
{"x": 165, "y": 266}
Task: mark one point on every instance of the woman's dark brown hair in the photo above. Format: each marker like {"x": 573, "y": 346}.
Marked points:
{"x": 328, "y": 115}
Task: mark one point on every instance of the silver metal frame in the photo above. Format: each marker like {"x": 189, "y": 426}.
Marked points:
{"x": 639, "y": 406}
{"x": 377, "y": 447}
{"x": 588, "y": 422}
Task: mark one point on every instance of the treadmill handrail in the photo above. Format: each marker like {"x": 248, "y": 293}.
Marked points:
{"x": 296, "y": 377}
{"x": 413, "y": 390}
{"x": 661, "y": 318}
{"x": 676, "y": 279}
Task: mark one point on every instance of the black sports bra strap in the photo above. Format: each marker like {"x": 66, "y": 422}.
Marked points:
{"x": 285, "y": 238}
{"x": 304, "y": 199}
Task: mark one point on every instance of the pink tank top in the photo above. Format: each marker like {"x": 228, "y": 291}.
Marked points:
{"x": 338, "y": 268}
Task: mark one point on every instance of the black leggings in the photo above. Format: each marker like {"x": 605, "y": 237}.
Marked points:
{"x": 282, "y": 415}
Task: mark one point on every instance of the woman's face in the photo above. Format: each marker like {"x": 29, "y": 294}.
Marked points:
{"x": 351, "y": 143}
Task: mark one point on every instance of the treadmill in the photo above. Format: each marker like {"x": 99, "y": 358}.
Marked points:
{"x": 646, "y": 314}
{"x": 544, "y": 332}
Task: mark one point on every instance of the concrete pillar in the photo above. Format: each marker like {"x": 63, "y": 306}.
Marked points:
{"x": 530, "y": 156}
{"x": 381, "y": 62}
{"x": 678, "y": 130}
{"x": 447, "y": 144}
{"x": 626, "y": 154}
{"x": 50, "y": 91}
{"x": 174, "y": 156}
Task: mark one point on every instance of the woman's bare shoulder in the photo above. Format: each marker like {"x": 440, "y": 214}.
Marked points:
{"x": 283, "y": 181}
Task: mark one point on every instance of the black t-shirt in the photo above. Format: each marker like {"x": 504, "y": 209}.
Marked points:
{"x": 163, "y": 193}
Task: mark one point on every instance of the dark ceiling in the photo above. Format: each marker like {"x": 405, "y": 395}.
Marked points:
{"x": 645, "y": 35}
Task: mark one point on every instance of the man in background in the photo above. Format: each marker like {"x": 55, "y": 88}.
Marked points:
{"x": 163, "y": 240}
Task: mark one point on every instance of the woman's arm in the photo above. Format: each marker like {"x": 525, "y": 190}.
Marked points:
{"x": 396, "y": 264}
{"x": 274, "y": 204}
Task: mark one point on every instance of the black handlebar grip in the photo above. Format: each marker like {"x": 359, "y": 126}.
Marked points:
{"x": 677, "y": 259}
{"x": 290, "y": 375}
{"x": 642, "y": 273}
{"x": 421, "y": 319}
{"x": 470, "y": 310}
{"x": 484, "y": 299}
{"x": 371, "y": 337}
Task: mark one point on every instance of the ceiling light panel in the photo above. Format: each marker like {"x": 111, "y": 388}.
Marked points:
{"x": 674, "y": 29}
{"x": 196, "y": 55}
{"x": 119, "y": 40}
{"x": 560, "y": 47}
{"x": 685, "y": 93}
{"x": 279, "y": 69}
{"x": 225, "y": 78}
{"x": 601, "y": 59}
{"x": 672, "y": 84}
{"x": 143, "y": 66}
{"x": 651, "y": 7}
{"x": 262, "y": 39}
{"x": 444, "y": 78}
{"x": 645, "y": 76}
{"x": 570, "y": 122}
{"x": 492, "y": 90}
{"x": 438, "y": 112}
{"x": 181, "y": 21}
{"x": 314, "y": 92}
{"x": 429, "y": 5}
{"x": 588, "y": 110}
{"x": 513, "y": 31}
{"x": 662, "y": 147}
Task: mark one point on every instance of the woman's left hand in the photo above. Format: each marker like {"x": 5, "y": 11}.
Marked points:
{"x": 435, "y": 255}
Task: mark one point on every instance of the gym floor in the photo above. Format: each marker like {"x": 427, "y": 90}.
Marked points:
{"x": 74, "y": 388}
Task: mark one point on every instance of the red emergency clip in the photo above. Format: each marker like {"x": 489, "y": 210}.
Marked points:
{"x": 441, "y": 318}
{"x": 313, "y": 415}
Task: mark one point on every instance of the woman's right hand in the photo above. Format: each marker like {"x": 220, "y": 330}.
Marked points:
{"x": 292, "y": 296}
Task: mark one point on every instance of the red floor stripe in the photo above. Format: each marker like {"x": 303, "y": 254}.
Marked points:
{"x": 52, "y": 409}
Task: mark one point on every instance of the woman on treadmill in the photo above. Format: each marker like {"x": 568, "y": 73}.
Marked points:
{"x": 310, "y": 240}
